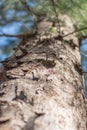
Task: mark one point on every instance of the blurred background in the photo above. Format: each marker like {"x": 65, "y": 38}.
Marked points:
{"x": 14, "y": 19}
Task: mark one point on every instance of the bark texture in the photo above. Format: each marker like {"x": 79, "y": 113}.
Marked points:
{"x": 43, "y": 87}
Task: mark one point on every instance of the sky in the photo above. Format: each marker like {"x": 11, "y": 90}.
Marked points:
{"x": 16, "y": 26}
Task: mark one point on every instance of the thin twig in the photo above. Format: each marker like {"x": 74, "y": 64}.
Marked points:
{"x": 34, "y": 33}
{"x": 83, "y": 53}
{"x": 33, "y": 13}
{"x": 19, "y": 35}
{"x": 81, "y": 29}
{"x": 53, "y": 5}
{"x": 28, "y": 7}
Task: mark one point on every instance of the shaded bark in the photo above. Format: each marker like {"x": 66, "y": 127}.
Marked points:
{"x": 44, "y": 88}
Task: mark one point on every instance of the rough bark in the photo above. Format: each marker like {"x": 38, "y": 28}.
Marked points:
{"x": 43, "y": 87}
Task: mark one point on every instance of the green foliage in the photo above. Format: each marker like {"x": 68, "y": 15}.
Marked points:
{"x": 11, "y": 4}
{"x": 76, "y": 9}
{"x": 53, "y": 29}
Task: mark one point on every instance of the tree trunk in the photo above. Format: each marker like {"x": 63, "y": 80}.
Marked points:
{"x": 44, "y": 89}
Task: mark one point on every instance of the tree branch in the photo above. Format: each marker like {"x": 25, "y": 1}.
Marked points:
{"x": 81, "y": 29}
{"x": 56, "y": 13}
{"x": 28, "y": 7}
{"x": 19, "y": 35}
{"x": 35, "y": 32}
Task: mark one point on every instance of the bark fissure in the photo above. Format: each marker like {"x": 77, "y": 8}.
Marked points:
{"x": 43, "y": 89}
